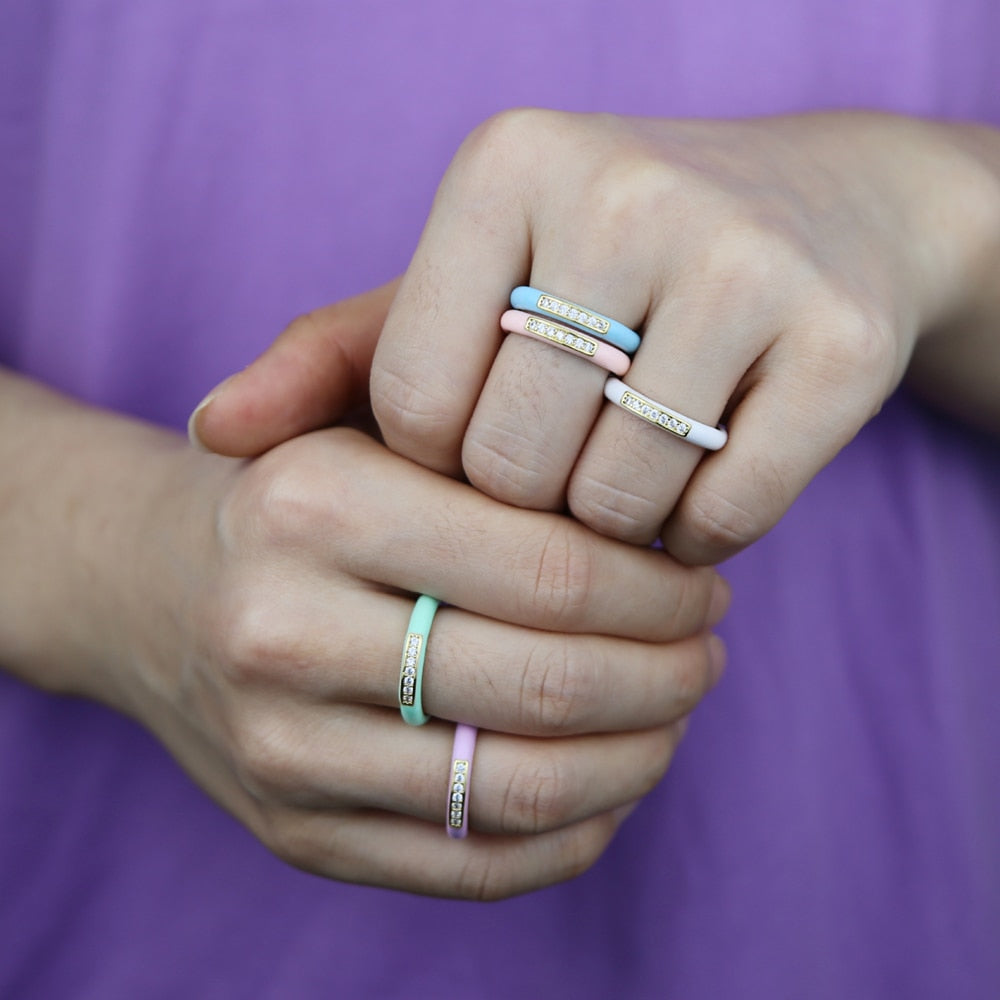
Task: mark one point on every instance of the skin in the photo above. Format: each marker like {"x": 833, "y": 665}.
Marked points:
{"x": 787, "y": 274}
{"x": 250, "y": 614}
{"x": 783, "y": 271}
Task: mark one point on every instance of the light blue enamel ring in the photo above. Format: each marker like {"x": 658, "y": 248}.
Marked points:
{"x": 544, "y": 304}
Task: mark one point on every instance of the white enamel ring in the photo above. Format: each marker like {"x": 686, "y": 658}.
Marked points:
{"x": 702, "y": 435}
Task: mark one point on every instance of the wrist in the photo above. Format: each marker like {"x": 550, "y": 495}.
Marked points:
{"x": 958, "y": 220}
{"x": 956, "y": 362}
{"x": 85, "y": 546}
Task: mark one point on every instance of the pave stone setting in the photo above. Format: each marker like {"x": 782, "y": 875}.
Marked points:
{"x": 655, "y": 414}
{"x": 561, "y": 336}
{"x": 568, "y": 310}
{"x": 459, "y": 795}
{"x": 408, "y": 668}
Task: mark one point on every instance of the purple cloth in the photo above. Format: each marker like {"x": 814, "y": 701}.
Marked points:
{"x": 178, "y": 178}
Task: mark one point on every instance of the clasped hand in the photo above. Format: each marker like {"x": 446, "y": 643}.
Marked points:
{"x": 780, "y": 271}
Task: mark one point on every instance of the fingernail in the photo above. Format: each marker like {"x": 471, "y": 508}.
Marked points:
{"x": 722, "y": 596}
{"x": 192, "y": 426}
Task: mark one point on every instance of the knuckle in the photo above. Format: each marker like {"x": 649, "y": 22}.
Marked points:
{"x": 539, "y": 796}
{"x": 719, "y": 525}
{"x": 617, "y": 204}
{"x": 631, "y": 193}
{"x": 248, "y": 646}
{"x": 407, "y": 410}
{"x": 501, "y": 138}
{"x": 254, "y": 647}
{"x": 505, "y": 466}
{"x": 561, "y": 687}
{"x": 279, "y": 505}
{"x": 264, "y": 759}
{"x": 852, "y": 346}
{"x": 743, "y": 253}
{"x": 562, "y": 575}
{"x": 688, "y": 606}
{"x": 611, "y": 510}
{"x": 482, "y": 879}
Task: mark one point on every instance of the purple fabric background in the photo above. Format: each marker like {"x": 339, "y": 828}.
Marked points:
{"x": 178, "y": 178}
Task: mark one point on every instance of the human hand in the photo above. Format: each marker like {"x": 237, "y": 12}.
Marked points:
{"x": 781, "y": 270}
{"x": 270, "y": 643}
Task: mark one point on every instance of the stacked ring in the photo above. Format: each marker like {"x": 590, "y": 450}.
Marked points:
{"x": 566, "y": 339}
{"x": 703, "y": 435}
{"x": 536, "y": 301}
{"x": 462, "y": 752}
{"x": 411, "y": 666}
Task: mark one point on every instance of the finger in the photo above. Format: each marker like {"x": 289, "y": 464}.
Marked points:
{"x": 314, "y": 373}
{"x": 538, "y": 404}
{"x": 535, "y": 569}
{"x": 393, "y": 850}
{"x": 406, "y": 854}
{"x": 485, "y": 672}
{"x": 337, "y": 757}
{"x": 530, "y": 682}
{"x": 806, "y": 402}
{"x": 702, "y": 335}
{"x": 442, "y": 335}
{"x": 538, "y": 407}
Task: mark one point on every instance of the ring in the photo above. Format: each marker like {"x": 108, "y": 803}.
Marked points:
{"x": 536, "y": 301}
{"x": 411, "y": 666}
{"x": 462, "y": 752}
{"x": 703, "y": 435}
{"x": 566, "y": 339}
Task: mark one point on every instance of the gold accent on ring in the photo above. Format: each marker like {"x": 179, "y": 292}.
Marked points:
{"x": 459, "y": 793}
{"x": 655, "y": 414}
{"x": 561, "y": 335}
{"x": 408, "y": 668}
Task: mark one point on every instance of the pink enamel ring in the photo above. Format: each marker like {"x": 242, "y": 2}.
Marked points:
{"x": 566, "y": 339}
{"x": 460, "y": 779}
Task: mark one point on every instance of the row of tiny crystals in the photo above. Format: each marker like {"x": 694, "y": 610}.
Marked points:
{"x": 642, "y": 408}
{"x": 550, "y": 304}
{"x": 458, "y": 792}
{"x": 561, "y": 335}
{"x": 409, "y": 672}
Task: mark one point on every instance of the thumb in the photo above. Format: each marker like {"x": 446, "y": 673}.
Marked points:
{"x": 314, "y": 373}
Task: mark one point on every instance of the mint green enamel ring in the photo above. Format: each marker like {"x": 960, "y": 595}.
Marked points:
{"x": 411, "y": 665}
